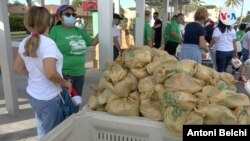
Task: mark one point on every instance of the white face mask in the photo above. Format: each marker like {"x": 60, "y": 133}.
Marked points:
{"x": 70, "y": 21}
{"x": 116, "y": 22}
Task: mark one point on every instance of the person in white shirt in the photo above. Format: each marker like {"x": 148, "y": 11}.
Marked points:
{"x": 116, "y": 35}
{"x": 246, "y": 54}
{"x": 224, "y": 38}
{"x": 39, "y": 58}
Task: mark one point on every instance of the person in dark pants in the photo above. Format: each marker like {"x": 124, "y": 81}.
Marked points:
{"x": 157, "y": 30}
{"x": 175, "y": 36}
{"x": 116, "y": 35}
{"x": 224, "y": 37}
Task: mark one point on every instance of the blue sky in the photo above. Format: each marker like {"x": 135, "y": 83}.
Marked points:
{"x": 131, "y": 3}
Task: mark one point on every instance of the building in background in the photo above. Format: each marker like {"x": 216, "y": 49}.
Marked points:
{"x": 213, "y": 14}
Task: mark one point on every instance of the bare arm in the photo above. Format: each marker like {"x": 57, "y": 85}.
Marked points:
{"x": 176, "y": 35}
{"x": 235, "y": 48}
{"x": 157, "y": 26}
{"x": 49, "y": 66}
{"x": 203, "y": 44}
{"x": 213, "y": 41}
{"x": 116, "y": 43}
{"x": 96, "y": 41}
{"x": 149, "y": 42}
{"x": 19, "y": 66}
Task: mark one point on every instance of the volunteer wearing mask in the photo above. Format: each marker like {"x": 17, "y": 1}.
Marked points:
{"x": 72, "y": 43}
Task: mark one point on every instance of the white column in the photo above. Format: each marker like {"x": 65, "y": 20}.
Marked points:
{"x": 140, "y": 19}
{"x": 105, "y": 16}
{"x": 39, "y": 2}
{"x": 65, "y": 2}
{"x": 152, "y": 13}
{"x": 176, "y": 2}
{"x": 6, "y": 61}
{"x": 165, "y": 16}
{"x": 117, "y": 6}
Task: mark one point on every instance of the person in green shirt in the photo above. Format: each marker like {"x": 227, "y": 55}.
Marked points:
{"x": 174, "y": 37}
{"x": 147, "y": 30}
{"x": 72, "y": 43}
{"x": 166, "y": 30}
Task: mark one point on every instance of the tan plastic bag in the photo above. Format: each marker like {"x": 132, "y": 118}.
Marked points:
{"x": 187, "y": 66}
{"x": 242, "y": 115}
{"x": 180, "y": 99}
{"x": 150, "y": 107}
{"x": 203, "y": 73}
{"x": 134, "y": 81}
{"x": 139, "y": 73}
{"x": 146, "y": 85}
{"x": 115, "y": 72}
{"x": 217, "y": 114}
{"x": 123, "y": 88}
{"x": 138, "y": 57}
{"x": 230, "y": 99}
{"x": 103, "y": 97}
{"x": 182, "y": 82}
{"x": 176, "y": 117}
{"x": 128, "y": 106}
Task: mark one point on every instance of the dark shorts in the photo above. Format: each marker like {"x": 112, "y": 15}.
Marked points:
{"x": 170, "y": 47}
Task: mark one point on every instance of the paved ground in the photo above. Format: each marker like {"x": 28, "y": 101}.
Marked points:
{"x": 22, "y": 127}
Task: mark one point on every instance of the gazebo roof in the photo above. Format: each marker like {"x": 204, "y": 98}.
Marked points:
{"x": 159, "y": 2}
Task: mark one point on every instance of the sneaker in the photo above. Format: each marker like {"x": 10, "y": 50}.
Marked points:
{"x": 242, "y": 79}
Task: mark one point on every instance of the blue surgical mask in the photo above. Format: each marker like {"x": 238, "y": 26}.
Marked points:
{"x": 69, "y": 21}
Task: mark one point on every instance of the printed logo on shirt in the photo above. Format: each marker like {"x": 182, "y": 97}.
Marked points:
{"x": 77, "y": 45}
{"x": 228, "y": 16}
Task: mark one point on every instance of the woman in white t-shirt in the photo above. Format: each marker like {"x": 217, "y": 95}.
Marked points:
{"x": 224, "y": 37}
{"x": 39, "y": 58}
{"x": 245, "y": 53}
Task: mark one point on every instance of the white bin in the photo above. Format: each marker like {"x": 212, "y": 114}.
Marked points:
{"x": 99, "y": 126}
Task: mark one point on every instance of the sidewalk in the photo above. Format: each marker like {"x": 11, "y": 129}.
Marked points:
{"x": 23, "y": 126}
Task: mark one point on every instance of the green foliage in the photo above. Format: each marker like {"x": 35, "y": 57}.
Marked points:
{"x": 16, "y": 3}
{"x": 77, "y": 3}
{"x": 233, "y": 3}
{"x": 247, "y": 18}
{"x": 16, "y": 23}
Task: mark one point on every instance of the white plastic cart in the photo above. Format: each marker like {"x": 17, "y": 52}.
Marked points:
{"x": 90, "y": 125}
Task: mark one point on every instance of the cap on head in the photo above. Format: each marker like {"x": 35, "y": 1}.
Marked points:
{"x": 117, "y": 16}
{"x": 63, "y": 8}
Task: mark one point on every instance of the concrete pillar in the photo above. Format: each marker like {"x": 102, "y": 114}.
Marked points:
{"x": 140, "y": 20}
{"x": 39, "y": 2}
{"x": 176, "y": 2}
{"x": 65, "y": 2}
{"x": 164, "y": 16}
{"x": 6, "y": 61}
{"x": 117, "y": 6}
{"x": 105, "y": 16}
{"x": 96, "y": 48}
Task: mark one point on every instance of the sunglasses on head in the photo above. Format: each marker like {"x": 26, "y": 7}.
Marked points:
{"x": 69, "y": 14}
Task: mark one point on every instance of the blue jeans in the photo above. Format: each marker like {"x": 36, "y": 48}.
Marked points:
{"x": 48, "y": 114}
{"x": 77, "y": 83}
{"x": 245, "y": 54}
{"x": 223, "y": 59}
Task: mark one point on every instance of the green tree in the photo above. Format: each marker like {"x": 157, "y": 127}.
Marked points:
{"x": 233, "y": 3}
{"x": 77, "y": 3}
{"x": 192, "y": 6}
{"x": 236, "y": 3}
{"x": 247, "y": 18}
